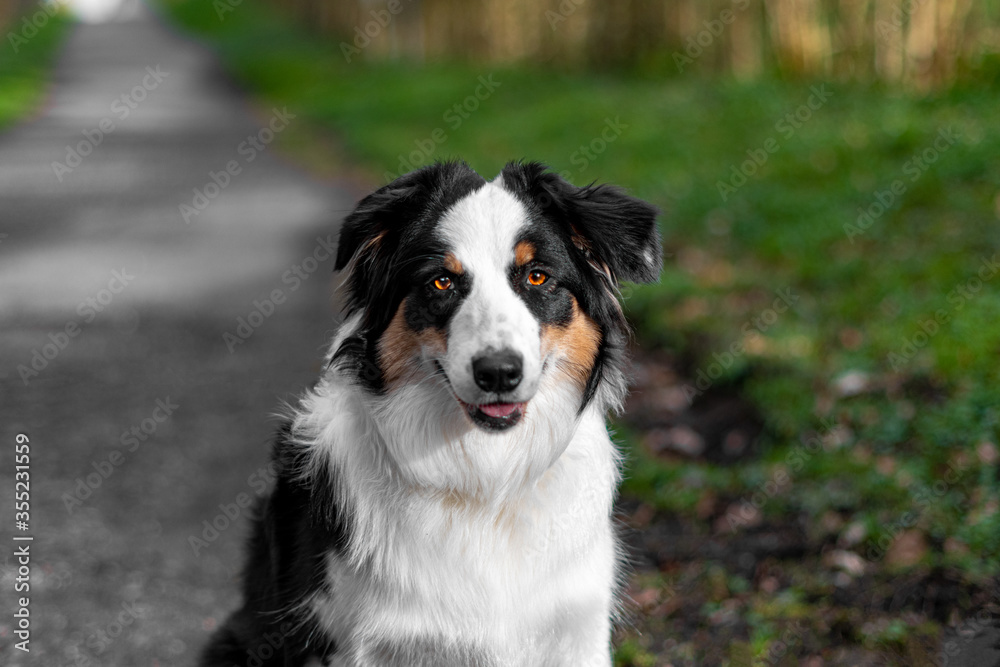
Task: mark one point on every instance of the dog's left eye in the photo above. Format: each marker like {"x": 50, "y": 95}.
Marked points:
{"x": 537, "y": 278}
{"x": 443, "y": 283}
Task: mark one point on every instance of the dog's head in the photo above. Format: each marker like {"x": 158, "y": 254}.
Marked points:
{"x": 478, "y": 300}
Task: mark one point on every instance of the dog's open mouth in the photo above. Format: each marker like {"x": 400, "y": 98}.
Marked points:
{"x": 487, "y": 416}
{"x": 495, "y": 416}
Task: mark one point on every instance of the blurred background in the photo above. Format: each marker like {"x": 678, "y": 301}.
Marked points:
{"x": 812, "y": 441}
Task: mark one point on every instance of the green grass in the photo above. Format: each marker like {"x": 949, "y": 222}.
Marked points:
{"x": 898, "y": 305}
{"x": 25, "y": 64}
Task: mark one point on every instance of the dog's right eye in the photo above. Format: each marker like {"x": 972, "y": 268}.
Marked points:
{"x": 443, "y": 283}
{"x": 537, "y": 278}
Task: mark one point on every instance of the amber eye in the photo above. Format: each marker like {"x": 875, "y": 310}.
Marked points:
{"x": 442, "y": 283}
{"x": 536, "y": 278}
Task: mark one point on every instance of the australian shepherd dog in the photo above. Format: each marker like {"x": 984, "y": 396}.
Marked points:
{"x": 444, "y": 493}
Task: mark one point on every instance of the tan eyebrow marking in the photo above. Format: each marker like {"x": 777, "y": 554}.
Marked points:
{"x": 452, "y": 264}
{"x": 524, "y": 252}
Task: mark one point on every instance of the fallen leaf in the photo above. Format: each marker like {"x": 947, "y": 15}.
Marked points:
{"x": 909, "y": 547}
{"x": 686, "y": 440}
{"x": 646, "y": 598}
{"x": 851, "y": 383}
{"x": 735, "y": 442}
{"x": 706, "y": 504}
{"x": 852, "y": 535}
{"x": 831, "y": 522}
{"x": 987, "y": 453}
{"x": 851, "y": 338}
{"x": 738, "y": 515}
{"x": 955, "y": 546}
{"x": 769, "y": 585}
{"x": 885, "y": 465}
{"x": 845, "y": 560}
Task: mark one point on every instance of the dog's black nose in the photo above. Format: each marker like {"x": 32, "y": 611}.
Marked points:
{"x": 497, "y": 371}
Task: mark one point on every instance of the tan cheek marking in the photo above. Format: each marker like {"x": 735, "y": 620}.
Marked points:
{"x": 399, "y": 347}
{"x": 452, "y": 264}
{"x": 524, "y": 252}
{"x": 576, "y": 345}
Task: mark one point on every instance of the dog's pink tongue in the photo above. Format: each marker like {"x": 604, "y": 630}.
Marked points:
{"x": 499, "y": 409}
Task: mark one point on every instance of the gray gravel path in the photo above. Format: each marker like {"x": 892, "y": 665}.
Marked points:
{"x": 145, "y": 422}
{"x": 144, "y": 353}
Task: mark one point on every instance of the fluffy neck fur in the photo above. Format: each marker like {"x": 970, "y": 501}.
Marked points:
{"x": 409, "y": 456}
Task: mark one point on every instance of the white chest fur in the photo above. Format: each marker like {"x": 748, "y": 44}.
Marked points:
{"x": 445, "y": 580}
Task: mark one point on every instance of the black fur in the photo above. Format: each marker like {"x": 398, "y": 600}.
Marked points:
{"x": 402, "y": 217}
{"x": 586, "y": 239}
{"x": 391, "y": 238}
{"x": 615, "y": 230}
{"x": 620, "y": 230}
{"x": 293, "y": 531}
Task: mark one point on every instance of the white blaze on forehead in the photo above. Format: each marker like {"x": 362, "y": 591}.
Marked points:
{"x": 482, "y": 230}
{"x": 483, "y": 227}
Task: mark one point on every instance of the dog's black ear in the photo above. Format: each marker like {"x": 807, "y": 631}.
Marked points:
{"x": 407, "y": 199}
{"x": 618, "y": 233}
{"x": 375, "y": 215}
{"x": 391, "y": 224}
